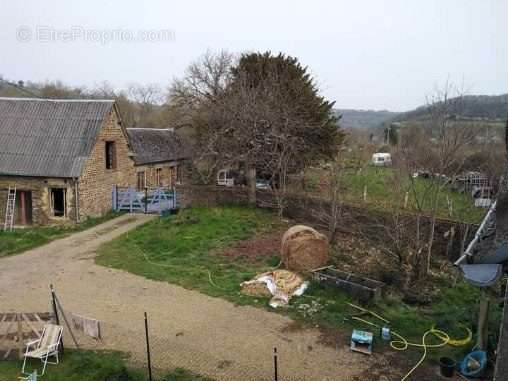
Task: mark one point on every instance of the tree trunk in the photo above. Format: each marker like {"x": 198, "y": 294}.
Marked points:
{"x": 430, "y": 244}
{"x": 251, "y": 185}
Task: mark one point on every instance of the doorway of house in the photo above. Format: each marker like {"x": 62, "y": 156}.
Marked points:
{"x": 23, "y": 210}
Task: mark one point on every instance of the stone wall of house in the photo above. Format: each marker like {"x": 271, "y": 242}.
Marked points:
{"x": 172, "y": 174}
{"x": 96, "y": 181}
{"x": 40, "y": 195}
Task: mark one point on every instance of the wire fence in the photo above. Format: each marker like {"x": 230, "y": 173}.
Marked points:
{"x": 159, "y": 347}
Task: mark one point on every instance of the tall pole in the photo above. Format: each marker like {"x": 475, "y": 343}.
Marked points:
{"x": 275, "y": 365}
{"x": 55, "y": 311}
{"x": 483, "y": 321}
{"x": 148, "y": 350}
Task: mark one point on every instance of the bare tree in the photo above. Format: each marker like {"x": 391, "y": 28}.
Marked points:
{"x": 332, "y": 213}
{"x": 196, "y": 105}
{"x": 148, "y": 99}
{"x": 440, "y": 150}
{"x": 128, "y": 107}
{"x": 205, "y": 79}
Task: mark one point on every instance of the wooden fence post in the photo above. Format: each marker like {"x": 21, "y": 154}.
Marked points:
{"x": 20, "y": 335}
{"x": 275, "y": 365}
{"x": 55, "y": 311}
{"x": 148, "y": 349}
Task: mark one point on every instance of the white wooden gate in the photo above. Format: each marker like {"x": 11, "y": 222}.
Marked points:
{"x": 149, "y": 200}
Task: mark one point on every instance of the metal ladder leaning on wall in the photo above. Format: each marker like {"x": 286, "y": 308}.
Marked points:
{"x": 9, "y": 210}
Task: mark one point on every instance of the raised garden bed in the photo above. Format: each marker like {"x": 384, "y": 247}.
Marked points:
{"x": 362, "y": 288}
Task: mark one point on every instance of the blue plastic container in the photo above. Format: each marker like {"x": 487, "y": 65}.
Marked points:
{"x": 481, "y": 357}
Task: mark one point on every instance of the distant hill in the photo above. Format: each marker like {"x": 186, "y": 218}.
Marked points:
{"x": 493, "y": 108}
{"x": 365, "y": 119}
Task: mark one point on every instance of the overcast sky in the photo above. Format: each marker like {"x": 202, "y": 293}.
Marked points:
{"x": 378, "y": 54}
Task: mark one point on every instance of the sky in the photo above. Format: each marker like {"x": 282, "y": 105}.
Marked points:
{"x": 369, "y": 54}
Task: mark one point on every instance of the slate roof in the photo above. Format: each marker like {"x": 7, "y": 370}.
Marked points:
{"x": 152, "y": 146}
{"x": 48, "y": 137}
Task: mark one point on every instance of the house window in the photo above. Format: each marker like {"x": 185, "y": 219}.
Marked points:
{"x": 158, "y": 174}
{"x": 141, "y": 180}
{"x": 110, "y": 155}
{"x": 57, "y": 201}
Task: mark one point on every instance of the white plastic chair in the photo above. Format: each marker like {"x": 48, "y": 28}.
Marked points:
{"x": 45, "y": 347}
{"x": 30, "y": 377}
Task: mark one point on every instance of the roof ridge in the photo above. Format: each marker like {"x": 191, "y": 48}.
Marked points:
{"x": 57, "y": 100}
{"x": 44, "y": 137}
{"x": 152, "y": 129}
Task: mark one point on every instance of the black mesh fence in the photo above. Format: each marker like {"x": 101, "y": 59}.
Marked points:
{"x": 172, "y": 348}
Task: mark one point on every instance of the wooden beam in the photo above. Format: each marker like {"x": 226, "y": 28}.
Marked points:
{"x": 20, "y": 336}
{"x": 33, "y": 316}
{"x": 30, "y": 325}
{"x": 22, "y": 208}
{"x": 4, "y": 336}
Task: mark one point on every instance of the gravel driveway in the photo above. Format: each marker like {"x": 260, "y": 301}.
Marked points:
{"x": 209, "y": 336}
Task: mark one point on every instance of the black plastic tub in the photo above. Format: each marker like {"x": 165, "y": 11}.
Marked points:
{"x": 447, "y": 367}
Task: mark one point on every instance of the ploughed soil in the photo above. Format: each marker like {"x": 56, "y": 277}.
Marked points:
{"x": 259, "y": 248}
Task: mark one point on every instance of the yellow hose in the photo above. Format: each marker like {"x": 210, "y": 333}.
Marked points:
{"x": 402, "y": 344}
{"x": 461, "y": 342}
{"x": 424, "y": 345}
{"x": 369, "y": 312}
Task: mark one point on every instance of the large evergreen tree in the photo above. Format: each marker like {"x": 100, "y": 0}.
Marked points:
{"x": 291, "y": 104}
{"x": 276, "y": 120}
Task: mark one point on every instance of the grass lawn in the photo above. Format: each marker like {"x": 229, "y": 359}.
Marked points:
{"x": 378, "y": 181}
{"x": 183, "y": 249}
{"x": 181, "y": 253}
{"x": 451, "y": 311}
{"x": 92, "y": 366}
{"x": 20, "y": 240}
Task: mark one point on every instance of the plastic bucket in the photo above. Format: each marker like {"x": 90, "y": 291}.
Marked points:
{"x": 447, "y": 367}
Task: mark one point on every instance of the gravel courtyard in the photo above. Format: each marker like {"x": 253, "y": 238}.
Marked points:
{"x": 207, "y": 335}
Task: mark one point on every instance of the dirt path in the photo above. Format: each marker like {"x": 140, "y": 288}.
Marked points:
{"x": 190, "y": 330}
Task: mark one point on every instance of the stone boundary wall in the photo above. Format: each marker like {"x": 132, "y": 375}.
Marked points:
{"x": 307, "y": 209}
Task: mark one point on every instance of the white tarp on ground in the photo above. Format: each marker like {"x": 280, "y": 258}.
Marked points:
{"x": 281, "y": 284}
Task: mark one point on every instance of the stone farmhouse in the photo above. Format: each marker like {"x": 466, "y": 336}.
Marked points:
{"x": 161, "y": 157}
{"x": 63, "y": 157}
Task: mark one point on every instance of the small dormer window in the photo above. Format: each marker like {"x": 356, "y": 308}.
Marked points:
{"x": 110, "y": 155}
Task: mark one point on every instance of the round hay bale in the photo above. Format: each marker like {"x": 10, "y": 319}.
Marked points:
{"x": 304, "y": 248}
